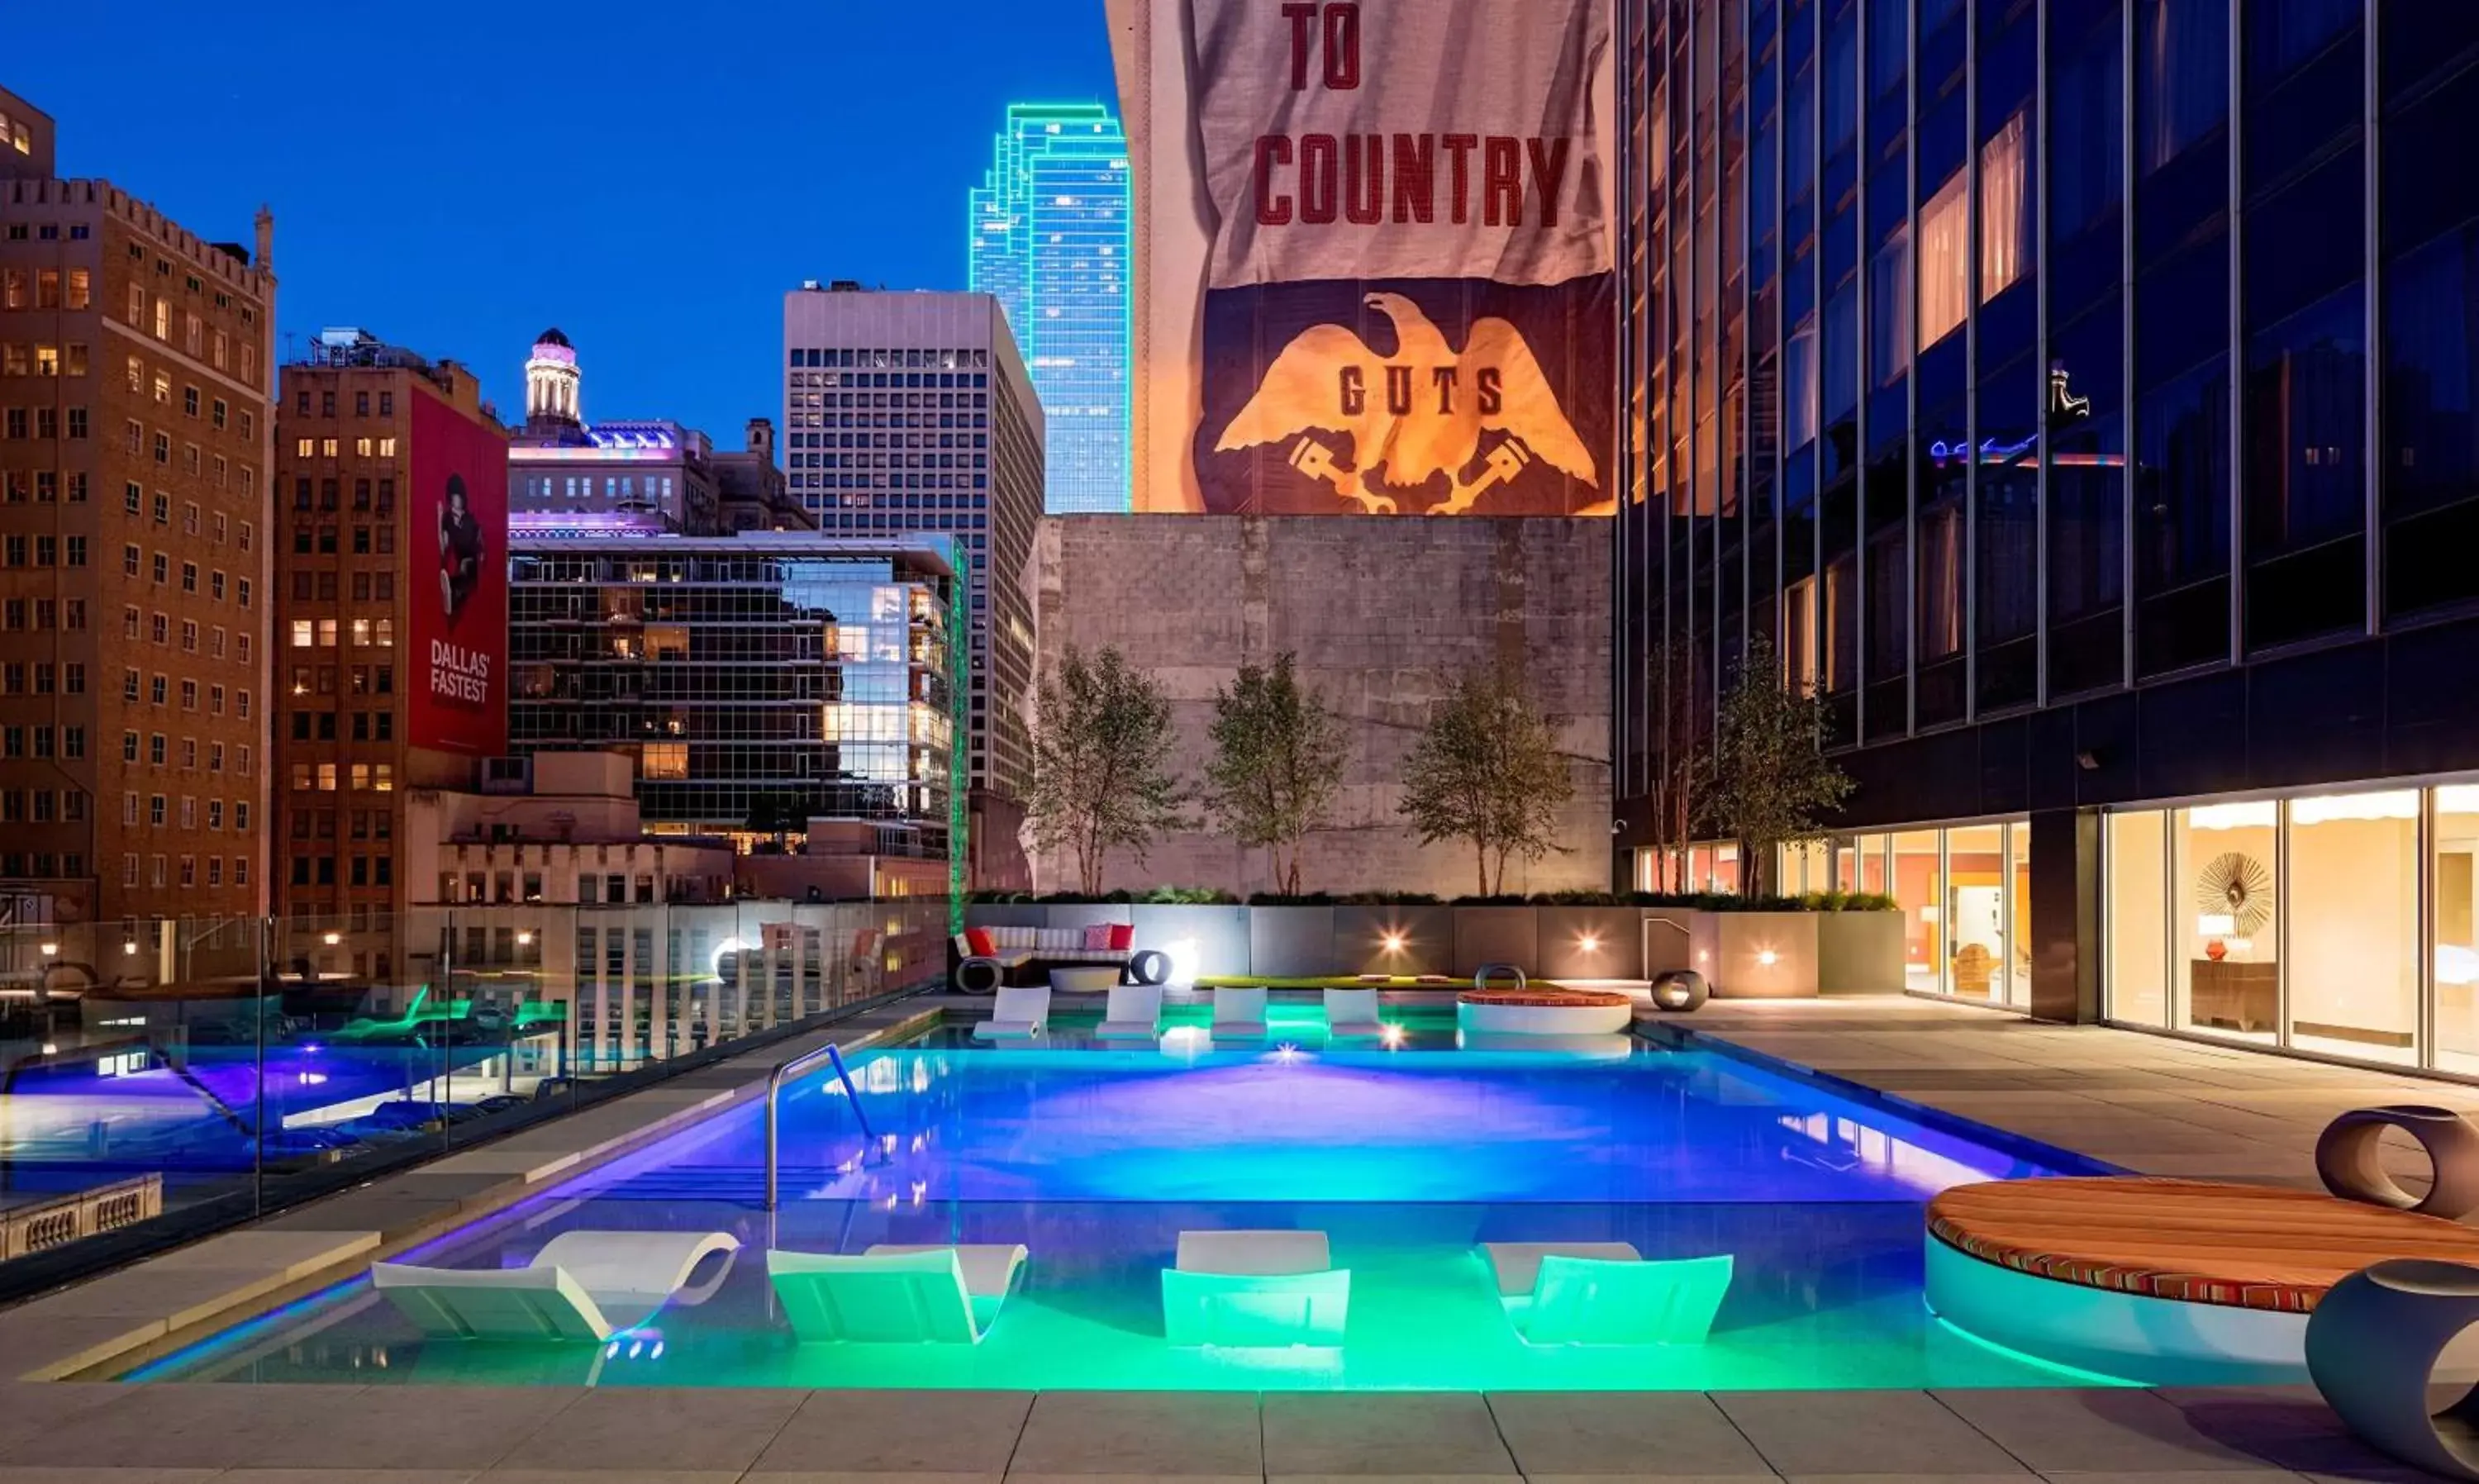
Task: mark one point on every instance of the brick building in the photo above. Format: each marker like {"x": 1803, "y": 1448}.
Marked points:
{"x": 353, "y": 558}
{"x": 134, "y": 440}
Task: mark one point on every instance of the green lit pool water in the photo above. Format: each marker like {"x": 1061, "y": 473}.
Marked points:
{"x": 1097, "y": 1160}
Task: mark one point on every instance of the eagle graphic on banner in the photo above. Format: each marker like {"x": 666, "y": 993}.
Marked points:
{"x": 1413, "y": 415}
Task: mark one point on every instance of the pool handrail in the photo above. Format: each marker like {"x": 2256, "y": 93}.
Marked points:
{"x": 784, "y": 1071}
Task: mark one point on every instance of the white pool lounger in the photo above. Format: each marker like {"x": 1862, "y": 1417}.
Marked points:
{"x": 1240, "y": 1014}
{"x": 580, "y": 1286}
{"x": 895, "y": 1294}
{"x": 1255, "y": 1290}
{"x": 1020, "y": 1013}
{"x": 1604, "y": 1293}
{"x": 1133, "y": 1014}
{"x": 1351, "y": 1015}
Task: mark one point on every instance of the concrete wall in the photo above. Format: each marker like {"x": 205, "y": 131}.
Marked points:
{"x": 1380, "y": 612}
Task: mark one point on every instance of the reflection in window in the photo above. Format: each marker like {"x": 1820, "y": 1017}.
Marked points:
{"x": 2005, "y": 213}
{"x": 1799, "y": 386}
{"x": 2182, "y": 54}
{"x": 1945, "y": 259}
{"x": 1799, "y": 658}
{"x": 1889, "y": 309}
{"x": 1841, "y": 624}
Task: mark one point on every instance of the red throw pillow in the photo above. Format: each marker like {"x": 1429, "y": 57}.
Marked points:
{"x": 1097, "y": 936}
{"x": 982, "y": 942}
{"x": 1123, "y": 936}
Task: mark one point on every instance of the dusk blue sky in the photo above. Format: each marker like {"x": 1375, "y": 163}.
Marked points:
{"x": 650, "y": 178}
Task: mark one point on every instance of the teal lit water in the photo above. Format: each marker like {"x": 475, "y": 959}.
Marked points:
{"x": 1097, "y": 1160}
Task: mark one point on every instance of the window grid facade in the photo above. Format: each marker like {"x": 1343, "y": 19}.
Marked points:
{"x": 1891, "y": 404}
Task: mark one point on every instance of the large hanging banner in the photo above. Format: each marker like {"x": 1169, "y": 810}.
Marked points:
{"x": 1408, "y": 300}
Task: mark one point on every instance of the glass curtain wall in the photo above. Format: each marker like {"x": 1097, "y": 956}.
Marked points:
{"x": 2339, "y": 923}
{"x": 1965, "y": 895}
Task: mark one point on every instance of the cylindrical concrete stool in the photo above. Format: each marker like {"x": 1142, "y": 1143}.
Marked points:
{"x": 2371, "y": 1345}
{"x": 2349, "y": 1160}
{"x": 979, "y": 976}
{"x": 1680, "y": 990}
{"x": 1148, "y": 967}
{"x": 1489, "y": 971}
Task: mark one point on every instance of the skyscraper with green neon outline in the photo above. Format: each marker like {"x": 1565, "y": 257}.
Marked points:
{"x": 1050, "y": 240}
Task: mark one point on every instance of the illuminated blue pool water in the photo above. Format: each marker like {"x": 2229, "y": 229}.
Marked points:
{"x": 1097, "y": 1160}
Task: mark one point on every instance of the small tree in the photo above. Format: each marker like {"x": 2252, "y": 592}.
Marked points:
{"x": 1101, "y": 775}
{"x": 1766, "y": 778}
{"x": 774, "y": 816}
{"x": 1488, "y": 771}
{"x": 1278, "y": 756}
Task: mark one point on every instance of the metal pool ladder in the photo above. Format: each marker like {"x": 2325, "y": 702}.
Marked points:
{"x": 784, "y": 1072}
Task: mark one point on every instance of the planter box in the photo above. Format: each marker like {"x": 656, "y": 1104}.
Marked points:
{"x": 1498, "y": 934}
{"x": 1290, "y": 942}
{"x": 1859, "y": 952}
{"x": 1199, "y": 939}
{"x": 1005, "y": 914}
{"x": 1427, "y": 935}
{"x": 1591, "y": 942}
{"x": 1083, "y": 914}
{"x": 1762, "y": 955}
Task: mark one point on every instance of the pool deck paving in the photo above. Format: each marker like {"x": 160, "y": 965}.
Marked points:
{"x": 2145, "y": 1102}
{"x": 2155, "y": 1105}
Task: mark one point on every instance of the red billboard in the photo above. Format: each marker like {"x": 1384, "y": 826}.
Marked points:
{"x": 457, "y": 589}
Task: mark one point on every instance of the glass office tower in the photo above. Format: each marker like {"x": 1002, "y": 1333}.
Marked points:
{"x": 770, "y": 674}
{"x": 1050, "y": 240}
{"x": 2080, "y": 396}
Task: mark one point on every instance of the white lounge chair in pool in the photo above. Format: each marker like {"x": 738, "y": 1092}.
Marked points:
{"x": 896, "y": 1293}
{"x": 1240, "y": 1014}
{"x": 1351, "y": 1015}
{"x": 1133, "y": 1014}
{"x": 1020, "y": 1011}
{"x": 1255, "y": 1289}
{"x": 580, "y": 1286}
{"x": 1604, "y": 1293}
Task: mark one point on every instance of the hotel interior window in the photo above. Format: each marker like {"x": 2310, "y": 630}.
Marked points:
{"x": 1977, "y": 917}
{"x": 2353, "y": 948}
{"x": 1919, "y": 889}
{"x": 2225, "y": 919}
{"x": 2455, "y": 862}
{"x": 2137, "y": 915}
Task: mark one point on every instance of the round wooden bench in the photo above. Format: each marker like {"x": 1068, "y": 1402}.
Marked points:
{"x": 2163, "y": 1281}
{"x": 1538, "y": 1011}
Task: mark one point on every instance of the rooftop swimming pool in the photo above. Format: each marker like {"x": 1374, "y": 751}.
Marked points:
{"x": 1407, "y": 1156}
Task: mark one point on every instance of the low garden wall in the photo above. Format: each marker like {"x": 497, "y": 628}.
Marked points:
{"x": 1765, "y": 954}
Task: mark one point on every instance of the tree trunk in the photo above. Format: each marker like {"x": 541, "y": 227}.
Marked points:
{"x": 1751, "y": 870}
{"x": 1481, "y": 850}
